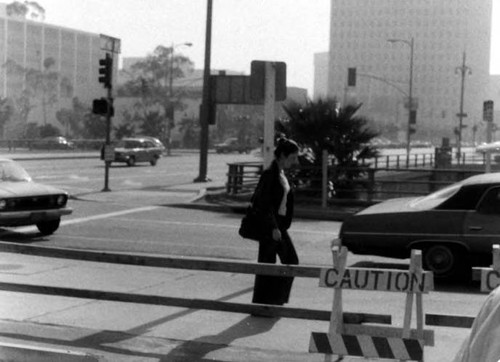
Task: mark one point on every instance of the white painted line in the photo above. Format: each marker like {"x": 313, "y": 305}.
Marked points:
{"x": 94, "y": 217}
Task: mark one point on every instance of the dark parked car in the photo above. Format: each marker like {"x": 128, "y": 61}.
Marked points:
{"x": 52, "y": 143}
{"x": 133, "y": 150}
{"x": 454, "y": 227}
{"x": 232, "y": 145}
{"x": 24, "y": 202}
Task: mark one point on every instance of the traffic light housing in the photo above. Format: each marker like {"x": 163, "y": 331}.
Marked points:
{"x": 100, "y": 106}
{"x": 106, "y": 71}
{"x": 351, "y": 77}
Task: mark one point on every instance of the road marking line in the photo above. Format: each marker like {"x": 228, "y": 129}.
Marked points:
{"x": 94, "y": 217}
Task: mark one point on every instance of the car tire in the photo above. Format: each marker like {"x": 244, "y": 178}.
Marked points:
{"x": 131, "y": 161}
{"x": 48, "y": 227}
{"x": 153, "y": 161}
{"x": 445, "y": 261}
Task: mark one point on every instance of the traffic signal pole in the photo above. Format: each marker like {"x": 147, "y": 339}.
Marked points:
{"x": 107, "y": 164}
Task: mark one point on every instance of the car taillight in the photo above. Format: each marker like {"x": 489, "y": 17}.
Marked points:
{"x": 3, "y": 204}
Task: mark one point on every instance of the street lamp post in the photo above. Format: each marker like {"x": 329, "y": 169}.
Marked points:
{"x": 410, "y": 43}
{"x": 171, "y": 93}
{"x": 463, "y": 70}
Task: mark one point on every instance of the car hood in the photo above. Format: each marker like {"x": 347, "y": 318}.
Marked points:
{"x": 27, "y": 188}
{"x": 391, "y": 206}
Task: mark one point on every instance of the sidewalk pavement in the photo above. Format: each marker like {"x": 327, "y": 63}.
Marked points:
{"x": 35, "y": 327}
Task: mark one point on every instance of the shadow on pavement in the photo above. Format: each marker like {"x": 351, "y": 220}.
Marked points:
{"x": 198, "y": 348}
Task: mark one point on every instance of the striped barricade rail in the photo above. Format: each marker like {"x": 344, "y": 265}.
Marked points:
{"x": 373, "y": 341}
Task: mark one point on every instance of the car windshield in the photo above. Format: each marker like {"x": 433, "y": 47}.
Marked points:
{"x": 436, "y": 198}
{"x": 12, "y": 172}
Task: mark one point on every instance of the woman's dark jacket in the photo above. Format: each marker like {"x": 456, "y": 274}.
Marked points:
{"x": 268, "y": 196}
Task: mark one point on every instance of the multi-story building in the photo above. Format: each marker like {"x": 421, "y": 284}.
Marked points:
{"x": 442, "y": 33}
{"x": 74, "y": 57}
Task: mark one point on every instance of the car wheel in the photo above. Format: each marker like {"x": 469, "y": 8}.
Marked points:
{"x": 131, "y": 161}
{"x": 443, "y": 260}
{"x": 153, "y": 161}
{"x": 48, "y": 227}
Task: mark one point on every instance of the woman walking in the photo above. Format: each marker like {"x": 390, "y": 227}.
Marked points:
{"x": 274, "y": 200}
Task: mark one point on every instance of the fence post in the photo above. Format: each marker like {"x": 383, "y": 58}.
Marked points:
{"x": 324, "y": 179}
{"x": 387, "y": 162}
{"x": 230, "y": 179}
{"x": 371, "y": 184}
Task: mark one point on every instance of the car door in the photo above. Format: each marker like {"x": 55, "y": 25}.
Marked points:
{"x": 142, "y": 151}
{"x": 481, "y": 228}
{"x": 149, "y": 150}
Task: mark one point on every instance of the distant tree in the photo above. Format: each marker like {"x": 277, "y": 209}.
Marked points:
{"x": 27, "y": 9}
{"x": 151, "y": 84}
{"x": 48, "y": 130}
{"x": 94, "y": 127}
{"x": 127, "y": 127}
{"x": 43, "y": 84}
{"x": 190, "y": 129}
{"x": 6, "y": 113}
{"x": 322, "y": 125}
{"x": 72, "y": 119}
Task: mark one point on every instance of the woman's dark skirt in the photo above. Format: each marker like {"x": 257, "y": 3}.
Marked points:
{"x": 273, "y": 289}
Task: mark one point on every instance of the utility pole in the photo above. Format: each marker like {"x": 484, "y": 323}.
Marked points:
{"x": 463, "y": 70}
{"x": 205, "y": 106}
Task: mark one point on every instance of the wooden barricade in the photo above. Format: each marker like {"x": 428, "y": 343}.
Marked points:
{"x": 375, "y": 341}
{"x": 490, "y": 277}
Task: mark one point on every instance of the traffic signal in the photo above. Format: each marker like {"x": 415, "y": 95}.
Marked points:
{"x": 100, "y": 106}
{"x": 351, "y": 77}
{"x": 106, "y": 71}
{"x": 413, "y": 117}
{"x": 488, "y": 111}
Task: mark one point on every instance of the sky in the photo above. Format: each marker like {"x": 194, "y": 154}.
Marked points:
{"x": 291, "y": 31}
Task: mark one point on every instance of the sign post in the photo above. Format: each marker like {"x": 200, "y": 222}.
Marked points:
{"x": 269, "y": 100}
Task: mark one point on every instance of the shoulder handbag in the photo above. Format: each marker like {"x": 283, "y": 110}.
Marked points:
{"x": 254, "y": 225}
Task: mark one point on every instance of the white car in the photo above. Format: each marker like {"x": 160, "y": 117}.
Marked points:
{"x": 492, "y": 147}
{"x": 24, "y": 202}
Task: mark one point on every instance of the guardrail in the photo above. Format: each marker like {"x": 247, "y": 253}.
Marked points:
{"x": 180, "y": 263}
{"x": 204, "y": 265}
{"x": 317, "y": 185}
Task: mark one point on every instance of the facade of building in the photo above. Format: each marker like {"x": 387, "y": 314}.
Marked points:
{"x": 442, "y": 33}
{"x": 74, "y": 56}
{"x": 320, "y": 87}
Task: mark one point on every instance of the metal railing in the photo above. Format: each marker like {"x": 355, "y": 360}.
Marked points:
{"x": 317, "y": 185}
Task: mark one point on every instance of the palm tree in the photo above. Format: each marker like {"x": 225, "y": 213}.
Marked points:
{"x": 322, "y": 125}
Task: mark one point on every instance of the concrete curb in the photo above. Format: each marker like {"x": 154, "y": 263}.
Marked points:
{"x": 21, "y": 352}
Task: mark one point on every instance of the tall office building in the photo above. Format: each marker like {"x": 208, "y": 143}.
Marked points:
{"x": 442, "y": 33}
{"x": 75, "y": 55}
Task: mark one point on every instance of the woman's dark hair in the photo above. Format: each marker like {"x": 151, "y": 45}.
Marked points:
{"x": 285, "y": 147}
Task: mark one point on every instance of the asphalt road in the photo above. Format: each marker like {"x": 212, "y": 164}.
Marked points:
{"x": 144, "y": 221}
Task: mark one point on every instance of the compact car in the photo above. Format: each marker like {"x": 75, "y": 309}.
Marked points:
{"x": 134, "y": 150}
{"x": 454, "y": 227}
{"x": 232, "y": 145}
{"x": 25, "y": 202}
{"x": 53, "y": 143}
